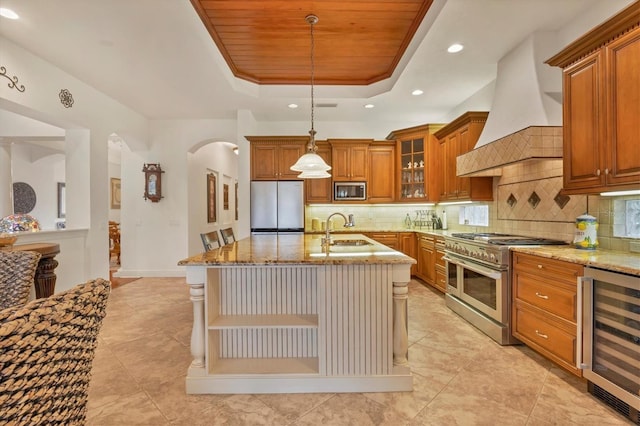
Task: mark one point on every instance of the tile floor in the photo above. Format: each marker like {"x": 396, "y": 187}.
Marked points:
{"x": 461, "y": 377}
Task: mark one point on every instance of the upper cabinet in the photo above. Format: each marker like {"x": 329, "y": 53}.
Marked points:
{"x": 417, "y": 163}
{"x": 457, "y": 138}
{"x": 601, "y": 106}
{"x": 319, "y": 190}
{"x": 381, "y": 182}
{"x": 272, "y": 156}
{"x": 349, "y": 158}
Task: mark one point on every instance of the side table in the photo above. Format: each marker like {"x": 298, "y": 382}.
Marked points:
{"x": 45, "y": 280}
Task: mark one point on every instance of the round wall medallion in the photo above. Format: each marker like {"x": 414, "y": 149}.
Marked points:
{"x": 66, "y": 98}
{"x": 24, "y": 198}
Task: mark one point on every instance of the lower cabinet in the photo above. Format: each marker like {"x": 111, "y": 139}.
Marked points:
{"x": 389, "y": 239}
{"x": 544, "y": 308}
{"x": 427, "y": 258}
{"x": 408, "y": 247}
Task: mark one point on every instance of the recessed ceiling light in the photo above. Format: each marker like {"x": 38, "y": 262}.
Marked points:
{"x": 455, "y": 48}
{"x": 369, "y": 106}
{"x": 293, "y": 106}
{"x": 417, "y": 92}
{"x": 8, "y": 13}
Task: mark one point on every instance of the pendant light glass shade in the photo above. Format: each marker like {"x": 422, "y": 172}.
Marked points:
{"x": 311, "y": 164}
{"x": 314, "y": 175}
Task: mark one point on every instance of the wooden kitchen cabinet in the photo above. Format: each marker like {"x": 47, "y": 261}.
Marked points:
{"x": 427, "y": 259}
{"x": 408, "y": 246}
{"x": 272, "y": 156}
{"x": 381, "y": 182}
{"x": 601, "y": 107}
{"x": 457, "y": 138}
{"x": 417, "y": 163}
{"x": 319, "y": 190}
{"x": 350, "y": 159}
{"x": 389, "y": 239}
{"x": 544, "y": 307}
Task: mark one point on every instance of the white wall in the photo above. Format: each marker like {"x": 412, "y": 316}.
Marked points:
{"x": 217, "y": 158}
{"x": 87, "y": 126}
{"x": 43, "y": 174}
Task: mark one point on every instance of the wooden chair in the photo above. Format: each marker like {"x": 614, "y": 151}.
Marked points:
{"x": 17, "y": 271}
{"x": 227, "y": 235}
{"x": 114, "y": 241}
{"x": 46, "y": 352}
{"x": 210, "y": 240}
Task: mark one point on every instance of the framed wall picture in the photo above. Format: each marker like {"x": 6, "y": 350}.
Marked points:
{"x": 225, "y": 196}
{"x": 236, "y": 198}
{"x": 211, "y": 198}
{"x": 115, "y": 193}
{"x": 62, "y": 203}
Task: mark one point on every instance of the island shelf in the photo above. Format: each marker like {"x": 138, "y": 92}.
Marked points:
{"x": 299, "y": 322}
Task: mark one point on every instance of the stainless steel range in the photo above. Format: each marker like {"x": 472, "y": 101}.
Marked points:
{"x": 479, "y": 279}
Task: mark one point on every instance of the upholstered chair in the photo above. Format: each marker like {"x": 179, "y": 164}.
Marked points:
{"x": 227, "y": 235}
{"x": 210, "y": 240}
{"x": 46, "y": 352}
{"x": 17, "y": 271}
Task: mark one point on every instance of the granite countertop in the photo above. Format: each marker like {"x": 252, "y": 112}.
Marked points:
{"x": 296, "y": 249}
{"x": 611, "y": 260}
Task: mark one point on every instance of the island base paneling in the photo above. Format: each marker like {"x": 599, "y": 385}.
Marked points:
{"x": 300, "y": 328}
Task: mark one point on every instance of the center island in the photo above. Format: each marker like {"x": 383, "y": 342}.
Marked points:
{"x": 288, "y": 314}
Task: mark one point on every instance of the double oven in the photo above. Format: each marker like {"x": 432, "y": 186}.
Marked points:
{"x": 479, "y": 279}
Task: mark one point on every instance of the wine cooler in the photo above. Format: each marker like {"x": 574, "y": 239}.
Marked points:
{"x": 611, "y": 339}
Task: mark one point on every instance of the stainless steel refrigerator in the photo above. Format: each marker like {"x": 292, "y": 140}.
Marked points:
{"x": 277, "y": 206}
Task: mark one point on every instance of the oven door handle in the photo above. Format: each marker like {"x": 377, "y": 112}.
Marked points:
{"x": 475, "y": 268}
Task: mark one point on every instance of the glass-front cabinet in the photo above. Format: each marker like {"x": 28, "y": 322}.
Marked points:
{"x": 417, "y": 171}
{"x": 413, "y": 162}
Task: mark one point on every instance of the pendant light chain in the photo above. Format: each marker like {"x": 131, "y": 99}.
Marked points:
{"x": 313, "y": 45}
{"x": 311, "y": 147}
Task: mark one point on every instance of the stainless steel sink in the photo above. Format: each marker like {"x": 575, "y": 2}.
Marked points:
{"x": 350, "y": 243}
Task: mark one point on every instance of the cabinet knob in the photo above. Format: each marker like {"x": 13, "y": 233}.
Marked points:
{"x": 544, "y": 336}
{"x": 598, "y": 172}
{"x": 542, "y": 296}
{"x": 539, "y": 266}
{"x": 606, "y": 171}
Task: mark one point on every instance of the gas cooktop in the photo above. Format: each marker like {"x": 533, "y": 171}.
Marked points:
{"x": 506, "y": 239}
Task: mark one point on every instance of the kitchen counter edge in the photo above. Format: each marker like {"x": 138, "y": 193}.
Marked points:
{"x": 617, "y": 261}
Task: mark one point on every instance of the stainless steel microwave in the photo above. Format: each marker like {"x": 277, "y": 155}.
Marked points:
{"x": 349, "y": 191}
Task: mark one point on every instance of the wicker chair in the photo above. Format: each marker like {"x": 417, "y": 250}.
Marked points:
{"x": 46, "y": 351}
{"x": 17, "y": 271}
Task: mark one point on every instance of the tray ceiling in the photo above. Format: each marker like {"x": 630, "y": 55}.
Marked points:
{"x": 269, "y": 42}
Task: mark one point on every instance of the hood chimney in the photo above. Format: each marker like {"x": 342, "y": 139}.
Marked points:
{"x": 527, "y": 105}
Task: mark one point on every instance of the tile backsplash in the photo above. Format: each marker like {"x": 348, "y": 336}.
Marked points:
{"x": 552, "y": 216}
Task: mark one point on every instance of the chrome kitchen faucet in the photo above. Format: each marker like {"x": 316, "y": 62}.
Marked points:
{"x": 348, "y": 223}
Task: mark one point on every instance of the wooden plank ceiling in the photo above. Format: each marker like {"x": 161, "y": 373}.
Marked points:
{"x": 357, "y": 42}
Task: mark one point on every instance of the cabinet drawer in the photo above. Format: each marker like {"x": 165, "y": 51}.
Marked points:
{"x": 552, "y": 338}
{"x": 556, "y": 299}
{"x": 558, "y": 270}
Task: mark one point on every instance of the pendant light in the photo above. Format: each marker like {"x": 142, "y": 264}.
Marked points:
{"x": 311, "y": 164}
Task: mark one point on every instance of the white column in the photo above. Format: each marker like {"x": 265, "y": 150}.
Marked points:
{"x": 195, "y": 279}
{"x": 400, "y": 330}
{"x": 197, "y": 332}
{"x": 6, "y": 181}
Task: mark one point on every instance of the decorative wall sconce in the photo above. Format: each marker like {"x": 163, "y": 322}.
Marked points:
{"x": 152, "y": 182}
